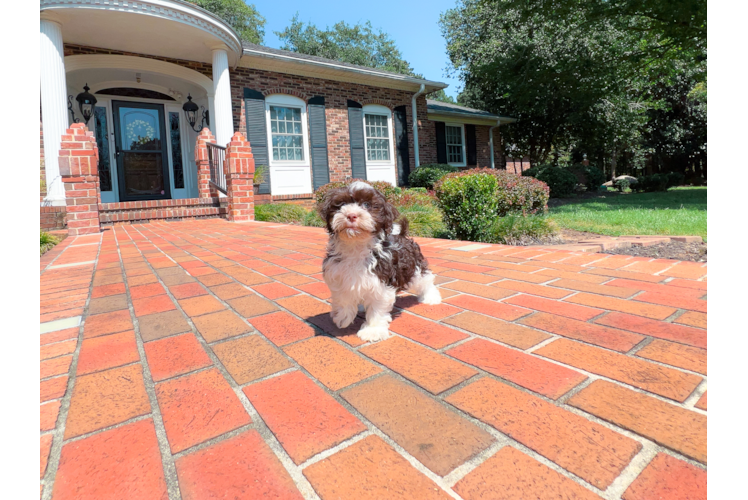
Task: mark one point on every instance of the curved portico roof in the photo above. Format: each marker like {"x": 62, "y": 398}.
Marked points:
{"x": 168, "y": 28}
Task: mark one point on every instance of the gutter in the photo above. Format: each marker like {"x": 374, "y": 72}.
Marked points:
{"x": 490, "y": 141}
{"x": 415, "y": 124}
{"x": 331, "y": 65}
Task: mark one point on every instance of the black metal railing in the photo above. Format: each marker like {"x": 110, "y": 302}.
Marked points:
{"x": 216, "y": 159}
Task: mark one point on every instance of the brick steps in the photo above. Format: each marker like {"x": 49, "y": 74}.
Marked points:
{"x": 139, "y": 211}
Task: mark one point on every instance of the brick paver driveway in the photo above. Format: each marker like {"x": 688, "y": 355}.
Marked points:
{"x": 197, "y": 360}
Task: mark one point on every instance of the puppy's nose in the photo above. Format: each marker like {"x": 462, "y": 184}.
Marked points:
{"x": 352, "y": 217}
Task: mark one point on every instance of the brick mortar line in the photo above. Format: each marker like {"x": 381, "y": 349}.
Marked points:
{"x": 167, "y": 461}
{"x": 58, "y": 433}
{"x": 370, "y": 426}
{"x": 387, "y": 370}
{"x": 62, "y": 246}
{"x": 553, "y": 338}
{"x": 301, "y": 482}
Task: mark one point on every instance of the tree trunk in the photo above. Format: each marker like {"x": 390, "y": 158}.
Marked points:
{"x": 613, "y": 160}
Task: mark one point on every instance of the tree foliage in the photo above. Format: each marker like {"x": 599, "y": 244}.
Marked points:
{"x": 360, "y": 44}
{"x": 243, "y": 17}
{"x": 581, "y": 76}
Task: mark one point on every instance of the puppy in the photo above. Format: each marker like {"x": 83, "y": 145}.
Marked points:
{"x": 370, "y": 258}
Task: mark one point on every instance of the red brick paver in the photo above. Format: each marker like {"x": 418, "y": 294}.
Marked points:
{"x": 219, "y": 334}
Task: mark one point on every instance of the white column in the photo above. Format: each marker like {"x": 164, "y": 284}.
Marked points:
{"x": 54, "y": 103}
{"x": 222, "y": 105}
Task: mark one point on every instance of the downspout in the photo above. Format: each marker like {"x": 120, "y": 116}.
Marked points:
{"x": 490, "y": 135}
{"x": 415, "y": 124}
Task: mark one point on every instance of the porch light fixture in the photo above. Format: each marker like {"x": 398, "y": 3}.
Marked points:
{"x": 190, "y": 110}
{"x": 86, "y": 104}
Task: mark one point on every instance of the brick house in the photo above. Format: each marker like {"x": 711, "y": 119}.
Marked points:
{"x": 308, "y": 120}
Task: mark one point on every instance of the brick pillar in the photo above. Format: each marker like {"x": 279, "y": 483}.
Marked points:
{"x": 201, "y": 161}
{"x": 240, "y": 171}
{"x": 79, "y": 169}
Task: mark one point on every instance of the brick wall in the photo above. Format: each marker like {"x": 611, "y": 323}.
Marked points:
{"x": 336, "y": 110}
{"x": 51, "y": 218}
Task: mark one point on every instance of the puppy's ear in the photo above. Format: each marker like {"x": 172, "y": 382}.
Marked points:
{"x": 390, "y": 215}
{"x": 327, "y": 208}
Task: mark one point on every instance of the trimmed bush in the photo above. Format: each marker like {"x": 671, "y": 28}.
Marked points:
{"x": 472, "y": 200}
{"x": 313, "y": 219}
{"x": 652, "y": 183}
{"x": 622, "y": 185}
{"x": 280, "y": 212}
{"x": 516, "y": 229}
{"x": 560, "y": 181}
{"x": 426, "y": 176}
{"x": 424, "y": 220}
{"x": 675, "y": 179}
{"x": 534, "y": 171}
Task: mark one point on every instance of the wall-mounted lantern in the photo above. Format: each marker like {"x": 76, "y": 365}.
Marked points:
{"x": 86, "y": 104}
{"x": 190, "y": 110}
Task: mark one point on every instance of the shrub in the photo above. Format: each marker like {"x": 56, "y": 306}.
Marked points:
{"x": 560, "y": 181}
{"x": 472, "y": 199}
{"x": 418, "y": 190}
{"x": 313, "y": 219}
{"x": 675, "y": 179}
{"x": 426, "y": 176}
{"x": 260, "y": 175}
{"x": 46, "y": 241}
{"x": 411, "y": 197}
{"x": 389, "y": 191}
{"x": 424, "y": 220}
{"x": 533, "y": 171}
{"x": 652, "y": 183}
{"x": 516, "y": 229}
{"x": 622, "y": 184}
{"x": 593, "y": 178}
{"x": 280, "y": 212}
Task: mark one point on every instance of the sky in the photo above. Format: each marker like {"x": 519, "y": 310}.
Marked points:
{"x": 413, "y": 25}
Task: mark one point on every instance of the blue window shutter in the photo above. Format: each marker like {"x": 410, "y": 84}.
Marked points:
{"x": 441, "y": 142}
{"x": 356, "y": 133}
{"x": 318, "y": 141}
{"x": 401, "y": 139}
{"x": 254, "y": 108}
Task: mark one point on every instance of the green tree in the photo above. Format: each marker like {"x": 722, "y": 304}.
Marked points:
{"x": 579, "y": 74}
{"x": 243, "y": 17}
{"x": 360, "y": 44}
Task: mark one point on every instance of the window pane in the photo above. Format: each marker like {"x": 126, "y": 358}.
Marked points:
{"x": 102, "y": 141}
{"x": 176, "y": 151}
{"x": 287, "y": 133}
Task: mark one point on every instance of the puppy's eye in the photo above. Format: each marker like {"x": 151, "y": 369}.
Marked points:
{"x": 366, "y": 205}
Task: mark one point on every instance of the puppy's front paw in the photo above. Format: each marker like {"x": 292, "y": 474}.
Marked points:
{"x": 343, "y": 317}
{"x": 373, "y": 333}
{"x": 431, "y": 297}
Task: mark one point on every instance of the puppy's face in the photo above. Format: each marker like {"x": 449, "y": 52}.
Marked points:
{"x": 357, "y": 212}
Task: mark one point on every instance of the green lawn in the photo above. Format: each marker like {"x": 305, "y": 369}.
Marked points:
{"x": 680, "y": 211}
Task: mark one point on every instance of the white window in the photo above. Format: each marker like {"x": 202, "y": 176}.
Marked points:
{"x": 287, "y": 130}
{"x": 378, "y": 134}
{"x": 455, "y": 145}
{"x": 288, "y": 145}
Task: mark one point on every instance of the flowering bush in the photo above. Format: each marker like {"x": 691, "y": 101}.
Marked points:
{"x": 471, "y": 200}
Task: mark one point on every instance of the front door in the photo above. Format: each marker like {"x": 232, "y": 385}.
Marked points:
{"x": 141, "y": 151}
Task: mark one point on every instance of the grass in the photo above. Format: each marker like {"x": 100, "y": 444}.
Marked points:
{"x": 46, "y": 242}
{"x": 679, "y": 211}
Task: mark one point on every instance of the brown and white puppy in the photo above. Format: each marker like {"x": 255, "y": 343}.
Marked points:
{"x": 370, "y": 258}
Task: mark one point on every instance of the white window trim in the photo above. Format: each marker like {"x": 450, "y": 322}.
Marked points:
{"x": 291, "y": 102}
{"x": 376, "y": 109}
{"x": 464, "y": 152}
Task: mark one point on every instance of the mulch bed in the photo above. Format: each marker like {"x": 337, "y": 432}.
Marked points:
{"x": 695, "y": 252}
